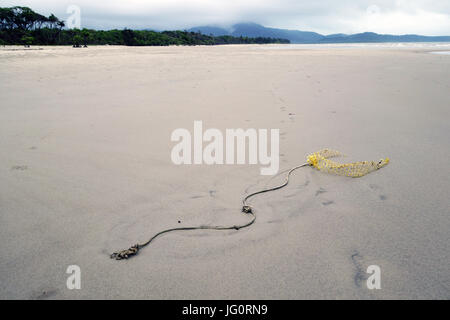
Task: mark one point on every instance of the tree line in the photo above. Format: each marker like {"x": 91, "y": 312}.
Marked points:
{"x": 23, "y": 26}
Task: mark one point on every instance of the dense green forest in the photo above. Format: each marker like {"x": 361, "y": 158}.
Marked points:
{"x": 23, "y": 26}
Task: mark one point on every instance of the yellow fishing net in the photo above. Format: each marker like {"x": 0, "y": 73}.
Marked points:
{"x": 320, "y": 161}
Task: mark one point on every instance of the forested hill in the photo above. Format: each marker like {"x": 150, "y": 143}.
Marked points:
{"x": 23, "y": 26}
{"x": 297, "y": 36}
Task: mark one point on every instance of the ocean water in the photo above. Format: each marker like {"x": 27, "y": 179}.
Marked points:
{"x": 441, "y": 52}
{"x": 443, "y": 47}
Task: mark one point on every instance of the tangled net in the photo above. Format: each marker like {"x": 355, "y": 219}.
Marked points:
{"x": 320, "y": 161}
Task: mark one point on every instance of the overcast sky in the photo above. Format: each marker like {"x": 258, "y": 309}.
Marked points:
{"x": 427, "y": 17}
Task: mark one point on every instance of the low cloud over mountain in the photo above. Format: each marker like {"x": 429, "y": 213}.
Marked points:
{"x": 297, "y": 36}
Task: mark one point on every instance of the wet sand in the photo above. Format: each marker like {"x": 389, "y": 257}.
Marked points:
{"x": 85, "y": 170}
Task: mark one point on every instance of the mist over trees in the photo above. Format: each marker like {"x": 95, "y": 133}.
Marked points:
{"x": 23, "y": 26}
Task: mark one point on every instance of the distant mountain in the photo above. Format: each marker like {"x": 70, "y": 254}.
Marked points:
{"x": 375, "y": 37}
{"x": 208, "y": 30}
{"x": 254, "y": 30}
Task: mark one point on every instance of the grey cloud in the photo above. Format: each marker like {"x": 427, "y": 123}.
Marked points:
{"x": 431, "y": 17}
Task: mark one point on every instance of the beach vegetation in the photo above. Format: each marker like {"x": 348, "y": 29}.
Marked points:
{"x": 27, "y": 41}
{"x": 20, "y": 24}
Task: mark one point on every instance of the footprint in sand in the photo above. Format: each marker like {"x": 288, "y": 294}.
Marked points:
{"x": 291, "y": 116}
{"x": 326, "y": 202}
{"x": 45, "y": 294}
{"x": 275, "y": 221}
{"x": 374, "y": 187}
{"x": 377, "y": 188}
{"x": 360, "y": 274}
{"x": 21, "y": 168}
{"x": 320, "y": 191}
{"x": 360, "y": 264}
{"x": 290, "y": 195}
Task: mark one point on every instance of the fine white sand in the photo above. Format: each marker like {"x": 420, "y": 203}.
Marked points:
{"x": 85, "y": 170}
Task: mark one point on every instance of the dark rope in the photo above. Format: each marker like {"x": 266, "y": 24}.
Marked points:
{"x": 246, "y": 208}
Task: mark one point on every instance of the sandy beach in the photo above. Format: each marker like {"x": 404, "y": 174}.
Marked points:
{"x": 85, "y": 170}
